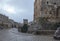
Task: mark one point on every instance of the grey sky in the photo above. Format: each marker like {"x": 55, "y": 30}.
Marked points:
{"x": 17, "y": 9}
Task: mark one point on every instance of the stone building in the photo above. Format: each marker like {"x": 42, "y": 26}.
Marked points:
{"x": 37, "y": 8}
{"x": 8, "y": 23}
{"x": 25, "y": 21}
{"x": 47, "y": 8}
{"x": 33, "y": 27}
{"x": 4, "y": 21}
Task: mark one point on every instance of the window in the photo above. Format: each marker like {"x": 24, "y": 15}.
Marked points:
{"x": 47, "y": 2}
{"x": 50, "y": 12}
{"x": 54, "y": 3}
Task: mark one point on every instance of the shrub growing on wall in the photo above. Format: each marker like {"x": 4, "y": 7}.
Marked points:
{"x": 48, "y": 25}
{"x": 24, "y": 28}
{"x": 43, "y": 21}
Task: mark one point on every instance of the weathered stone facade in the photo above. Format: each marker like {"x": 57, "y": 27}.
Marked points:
{"x": 37, "y": 8}
{"x": 4, "y": 21}
{"x": 7, "y": 23}
{"x": 47, "y": 8}
{"x": 25, "y": 21}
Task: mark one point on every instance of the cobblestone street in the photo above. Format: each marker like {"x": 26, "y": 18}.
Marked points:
{"x": 14, "y": 35}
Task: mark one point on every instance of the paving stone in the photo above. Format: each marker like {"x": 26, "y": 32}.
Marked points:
{"x": 14, "y": 35}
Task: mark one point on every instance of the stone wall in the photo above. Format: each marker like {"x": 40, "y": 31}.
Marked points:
{"x": 37, "y": 9}
{"x": 45, "y": 32}
{"x": 47, "y": 8}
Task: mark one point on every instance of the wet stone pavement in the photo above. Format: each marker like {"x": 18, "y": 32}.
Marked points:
{"x": 13, "y": 35}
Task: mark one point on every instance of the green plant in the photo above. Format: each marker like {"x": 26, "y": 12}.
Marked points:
{"x": 43, "y": 21}
{"x": 48, "y": 25}
{"x": 24, "y": 28}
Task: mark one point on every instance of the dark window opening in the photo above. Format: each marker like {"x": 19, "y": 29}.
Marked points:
{"x": 54, "y": 3}
{"x": 50, "y": 12}
{"x": 47, "y": 2}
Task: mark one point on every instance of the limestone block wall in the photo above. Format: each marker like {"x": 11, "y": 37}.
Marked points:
{"x": 37, "y": 8}
{"x": 46, "y": 8}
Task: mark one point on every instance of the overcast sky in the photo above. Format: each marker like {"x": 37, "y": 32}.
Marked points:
{"x": 17, "y": 9}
